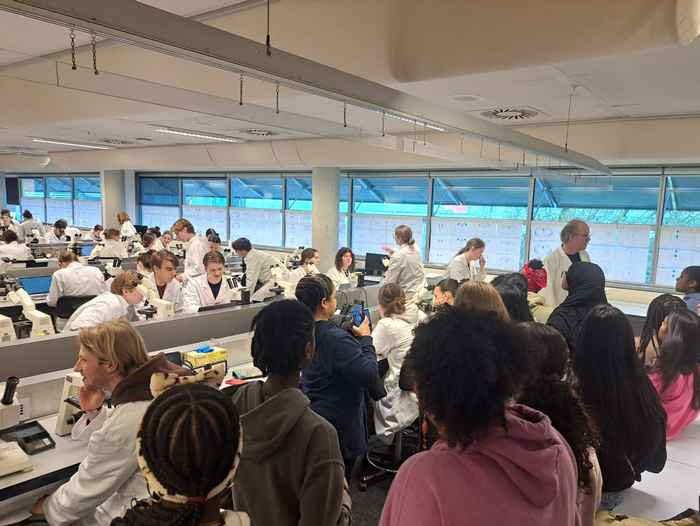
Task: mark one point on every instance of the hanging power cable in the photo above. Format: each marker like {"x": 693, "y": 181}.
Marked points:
{"x": 267, "y": 39}
{"x": 72, "y": 50}
{"x": 568, "y": 119}
{"x": 93, "y": 42}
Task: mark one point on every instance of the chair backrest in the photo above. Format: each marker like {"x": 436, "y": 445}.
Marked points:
{"x": 67, "y": 305}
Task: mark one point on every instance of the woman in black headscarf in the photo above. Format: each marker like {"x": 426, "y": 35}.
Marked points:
{"x": 586, "y": 285}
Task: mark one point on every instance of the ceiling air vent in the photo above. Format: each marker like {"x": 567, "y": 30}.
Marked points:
{"x": 509, "y": 114}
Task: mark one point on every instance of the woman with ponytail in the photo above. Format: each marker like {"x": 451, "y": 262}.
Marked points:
{"x": 406, "y": 265}
{"x": 188, "y": 450}
{"x": 393, "y": 336}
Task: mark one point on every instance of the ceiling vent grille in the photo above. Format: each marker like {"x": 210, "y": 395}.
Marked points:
{"x": 509, "y": 113}
{"x": 117, "y": 142}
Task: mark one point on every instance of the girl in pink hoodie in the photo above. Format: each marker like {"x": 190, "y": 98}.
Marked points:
{"x": 676, "y": 374}
{"x": 495, "y": 462}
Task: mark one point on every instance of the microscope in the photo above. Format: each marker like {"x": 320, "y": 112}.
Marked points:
{"x": 69, "y": 411}
{"x": 12, "y": 458}
{"x": 7, "y": 284}
{"x": 158, "y": 309}
{"x": 41, "y": 322}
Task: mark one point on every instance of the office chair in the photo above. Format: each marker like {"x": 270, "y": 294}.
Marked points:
{"x": 382, "y": 461}
{"x": 65, "y": 307}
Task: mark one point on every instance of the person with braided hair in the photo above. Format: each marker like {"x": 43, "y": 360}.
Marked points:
{"x": 188, "y": 449}
{"x": 392, "y": 340}
{"x": 342, "y": 369}
{"x": 278, "y": 423}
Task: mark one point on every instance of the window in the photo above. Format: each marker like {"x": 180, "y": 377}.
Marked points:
{"x": 32, "y": 197}
{"x": 620, "y": 209}
{"x": 59, "y": 195}
{"x": 204, "y": 203}
{"x": 256, "y": 211}
{"x": 679, "y": 244}
{"x": 87, "y": 203}
{"x": 159, "y": 199}
{"x": 491, "y": 208}
{"x": 380, "y": 204}
{"x": 75, "y": 198}
{"x": 297, "y": 219}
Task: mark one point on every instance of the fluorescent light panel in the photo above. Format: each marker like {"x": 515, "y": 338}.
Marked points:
{"x": 197, "y": 135}
{"x": 415, "y": 121}
{"x": 75, "y": 144}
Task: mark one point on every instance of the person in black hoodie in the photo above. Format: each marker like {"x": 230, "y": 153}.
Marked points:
{"x": 586, "y": 285}
{"x": 278, "y": 424}
{"x": 622, "y": 401}
{"x": 342, "y": 369}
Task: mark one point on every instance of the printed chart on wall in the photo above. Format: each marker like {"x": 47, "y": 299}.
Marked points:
{"x": 679, "y": 248}
{"x": 162, "y": 216}
{"x": 370, "y": 233}
{"x": 262, "y": 227}
{"x": 206, "y": 217}
{"x": 622, "y": 251}
{"x": 505, "y": 244}
{"x": 298, "y": 226}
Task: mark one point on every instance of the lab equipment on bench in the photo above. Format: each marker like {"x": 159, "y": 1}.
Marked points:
{"x": 69, "y": 407}
{"x": 12, "y": 458}
{"x": 7, "y": 329}
{"x": 41, "y": 322}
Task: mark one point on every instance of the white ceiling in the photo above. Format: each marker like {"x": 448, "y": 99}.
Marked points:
{"x": 659, "y": 82}
{"x": 48, "y": 38}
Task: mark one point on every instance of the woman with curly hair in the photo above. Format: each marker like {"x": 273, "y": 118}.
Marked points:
{"x": 495, "y": 461}
{"x": 549, "y": 391}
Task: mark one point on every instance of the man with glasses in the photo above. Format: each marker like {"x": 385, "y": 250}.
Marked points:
{"x": 575, "y": 237}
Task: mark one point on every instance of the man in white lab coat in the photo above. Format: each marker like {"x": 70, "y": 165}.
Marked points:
{"x": 125, "y": 293}
{"x": 74, "y": 279}
{"x": 258, "y": 265}
{"x": 6, "y": 221}
{"x": 58, "y": 233}
{"x": 575, "y": 237}
{"x": 162, "y": 283}
{"x": 112, "y": 359}
{"x": 210, "y": 288}
{"x": 197, "y": 247}
{"x": 29, "y": 226}
{"x": 112, "y": 246}
{"x": 12, "y": 249}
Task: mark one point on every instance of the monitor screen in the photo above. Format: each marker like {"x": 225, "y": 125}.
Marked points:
{"x": 86, "y": 248}
{"x": 35, "y": 284}
{"x": 141, "y": 229}
{"x": 374, "y": 264}
{"x": 218, "y": 306}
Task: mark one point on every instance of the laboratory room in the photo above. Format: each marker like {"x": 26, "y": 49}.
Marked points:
{"x": 232, "y": 231}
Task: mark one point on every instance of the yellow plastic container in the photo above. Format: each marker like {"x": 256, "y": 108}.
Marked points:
{"x": 198, "y": 358}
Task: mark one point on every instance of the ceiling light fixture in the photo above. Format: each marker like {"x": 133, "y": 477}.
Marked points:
{"x": 75, "y": 144}
{"x": 415, "y": 121}
{"x": 197, "y": 135}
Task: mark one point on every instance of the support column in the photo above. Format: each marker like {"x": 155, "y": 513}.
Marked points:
{"x": 325, "y": 183}
{"x": 113, "y": 200}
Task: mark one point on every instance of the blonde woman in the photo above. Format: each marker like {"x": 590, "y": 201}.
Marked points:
{"x": 127, "y": 229}
{"x": 469, "y": 262}
{"x": 112, "y": 359}
{"x": 125, "y": 293}
{"x": 480, "y": 296}
{"x": 405, "y": 265}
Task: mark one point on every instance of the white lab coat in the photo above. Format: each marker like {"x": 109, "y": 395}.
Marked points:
{"x": 172, "y": 293}
{"x": 127, "y": 230}
{"x": 158, "y": 245}
{"x": 338, "y": 277}
{"x": 392, "y": 339}
{"x": 197, "y": 293}
{"x": 25, "y": 228}
{"x": 109, "y": 478}
{"x": 556, "y": 263}
{"x": 258, "y": 269}
{"x": 300, "y": 272}
{"x": 110, "y": 249}
{"x": 197, "y": 248}
{"x": 52, "y": 238}
{"x": 407, "y": 271}
{"x": 105, "y": 307}
{"x": 461, "y": 269}
{"x": 75, "y": 280}
{"x": 90, "y": 236}
{"x": 14, "y": 250}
